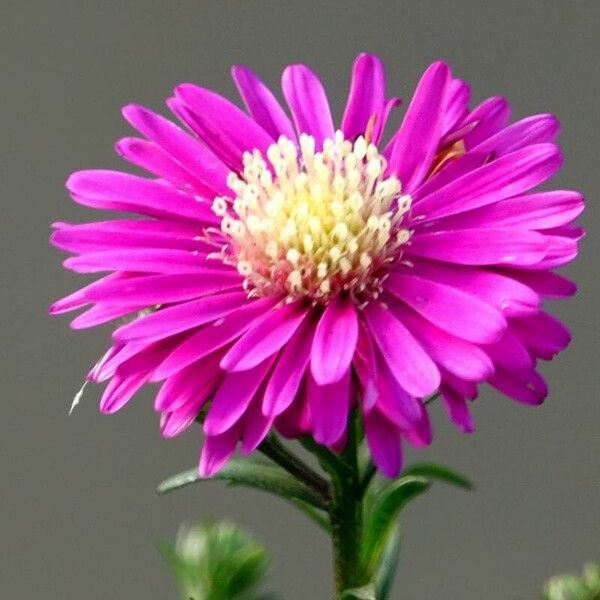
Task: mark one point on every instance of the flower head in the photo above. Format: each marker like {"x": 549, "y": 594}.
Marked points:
{"x": 283, "y": 272}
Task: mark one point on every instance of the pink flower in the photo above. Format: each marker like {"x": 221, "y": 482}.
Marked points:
{"x": 284, "y": 271}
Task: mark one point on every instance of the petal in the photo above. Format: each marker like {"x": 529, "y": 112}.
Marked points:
{"x": 262, "y": 104}
{"x": 119, "y": 391}
{"x": 458, "y": 409}
{"x": 483, "y": 121}
{"x": 543, "y": 334}
{"x": 112, "y": 190}
{"x": 289, "y": 370}
{"x": 334, "y": 341}
{"x": 152, "y": 158}
{"x": 510, "y": 353}
{"x": 233, "y": 397}
{"x": 256, "y": 427}
{"x": 502, "y": 178}
{"x": 214, "y": 336}
{"x": 191, "y": 154}
{"x": 419, "y": 135}
{"x": 215, "y": 114}
{"x": 451, "y": 309}
{"x": 265, "y": 338}
{"x": 463, "y": 359}
{"x": 366, "y": 97}
{"x": 181, "y": 317}
{"x": 164, "y": 289}
{"x": 550, "y": 285}
{"x": 504, "y": 293}
{"x": 141, "y": 260}
{"x": 536, "y": 129}
{"x": 409, "y": 363}
{"x": 481, "y": 247}
{"x": 384, "y": 443}
{"x": 217, "y": 450}
{"x": 102, "y": 313}
{"x": 544, "y": 210}
{"x": 527, "y": 388}
{"x": 308, "y": 102}
{"x": 458, "y": 104}
{"x": 329, "y": 407}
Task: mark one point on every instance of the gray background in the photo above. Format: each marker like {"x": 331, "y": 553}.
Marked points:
{"x": 78, "y": 514}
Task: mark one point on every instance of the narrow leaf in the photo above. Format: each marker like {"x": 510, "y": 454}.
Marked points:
{"x": 366, "y": 592}
{"x": 389, "y": 565}
{"x": 439, "y": 472}
{"x": 382, "y": 519}
{"x": 248, "y": 473}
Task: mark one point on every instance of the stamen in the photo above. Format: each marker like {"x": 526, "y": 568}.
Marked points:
{"x": 312, "y": 223}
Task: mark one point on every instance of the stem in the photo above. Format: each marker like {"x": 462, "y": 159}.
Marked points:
{"x": 278, "y": 453}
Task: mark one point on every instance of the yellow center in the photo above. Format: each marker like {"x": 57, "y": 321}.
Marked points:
{"x": 313, "y": 224}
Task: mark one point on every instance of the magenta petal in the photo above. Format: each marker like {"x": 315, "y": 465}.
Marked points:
{"x": 463, "y": 359}
{"x": 334, "y": 341}
{"x": 365, "y": 364}
{"x": 458, "y": 104}
{"x": 508, "y": 176}
{"x": 181, "y": 317}
{"x": 151, "y": 157}
{"x": 120, "y": 390}
{"x": 410, "y": 365}
{"x": 504, "y": 293}
{"x": 527, "y": 388}
{"x": 329, "y": 407}
{"x": 550, "y": 285}
{"x": 452, "y": 310}
{"x": 481, "y": 246}
{"x": 366, "y": 98}
{"x": 537, "y": 129}
{"x": 112, "y": 190}
{"x": 419, "y": 135}
{"x": 191, "y": 154}
{"x": 265, "y": 338}
{"x": 483, "y": 121}
{"x": 103, "y": 312}
{"x": 458, "y": 409}
{"x": 164, "y": 289}
{"x": 217, "y": 115}
{"x": 510, "y": 353}
{"x": 384, "y": 443}
{"x": 289, "y": 370}
{"x": 233, "y": 397}
{"x": 262, "y": 104}
{"x": 543, "y": 334}
{"x": 217, "y": 450}
{"x": 308, "y": 102}
{"x": 256, "y": 427}
{"x": 213, "y": 336}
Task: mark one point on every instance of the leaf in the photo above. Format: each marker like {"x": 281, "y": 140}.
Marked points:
{"x": 382, "y": 518}
{"x": 366, "y": 592}
{"x": 439, "y": 472}
{"x": 319, "y": 517}
{"x": 389, "y": 565}
{"x": 249, "y": 473}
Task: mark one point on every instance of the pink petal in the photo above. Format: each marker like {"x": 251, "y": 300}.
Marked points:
{"x": 112, "y": 190}
{"x": 191, "y": 154}
{"x": 329, "y": 407}
{"x": 384, "y": 443}
{"x": 181, "y": 317}
{"x": 507, "y": 176}
{"x": 233, "y": 397}
{"x": 308, "y": 102}
{"x": 527, "y": 388}
{"x": 289, "y": 370}
{"x": 334, "y": 341}
{"x": 214, "y": 336}
{"x": 457, "y": 408}
{"x": 366, "y": 97}
{"x": 217, "y": 450}
{"x": 419, "y": 135}
{"x": 265, "y": 338}
{"x": 481, "y": 247}
{"x": 451, "y": 309}
{"x": 409, "y": 363}
{"x": 262, "y": 104}
{"x": 119, "y": 391}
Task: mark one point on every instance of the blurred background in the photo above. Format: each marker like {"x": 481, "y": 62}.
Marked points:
{"x": 79, "y": 518}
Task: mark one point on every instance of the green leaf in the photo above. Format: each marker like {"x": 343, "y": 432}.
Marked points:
{"x": 319, "y": 517}
{"x": 366, "y": 592}
{"x": 383, "y": 514}
{"x": 389, "y": 565}
{"x": 439, "y": 472}
{"x": 249, "y": 473}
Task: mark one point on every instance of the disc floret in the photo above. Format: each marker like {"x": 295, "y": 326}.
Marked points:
{"x": 308, "y": 223}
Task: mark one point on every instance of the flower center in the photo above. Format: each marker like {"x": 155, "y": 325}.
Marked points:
{"x": 314, "y": 224}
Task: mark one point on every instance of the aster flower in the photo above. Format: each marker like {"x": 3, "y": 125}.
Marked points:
{"x": 285, "y": 271}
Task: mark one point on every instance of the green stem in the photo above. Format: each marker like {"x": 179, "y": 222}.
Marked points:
{"x": 278, "y": 453}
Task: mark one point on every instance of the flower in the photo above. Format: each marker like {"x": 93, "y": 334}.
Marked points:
{"x": 284, "y": 272}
